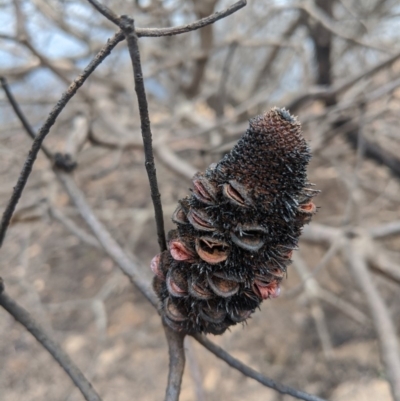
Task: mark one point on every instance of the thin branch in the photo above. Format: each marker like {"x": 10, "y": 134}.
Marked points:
{"x": 23, "y": 317}
{"x": 157, "y": 32}
{"x": 132, "y": 40}
{"x": 20, "y": 114}
{"x": 383, "y": 323}
{"x": 44, "y": 130}
{"x": 176, "y": 363}
{"x": 108, "y": 13}
{"x": 249, "y": 372}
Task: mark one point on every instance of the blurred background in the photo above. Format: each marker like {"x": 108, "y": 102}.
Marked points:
{"x": 334, "y": 63}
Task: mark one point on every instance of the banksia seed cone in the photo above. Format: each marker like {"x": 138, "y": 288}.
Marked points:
{"x": 237, "y": 231}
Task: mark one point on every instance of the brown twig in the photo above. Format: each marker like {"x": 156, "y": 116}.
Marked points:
{"x": 23, "y": 317}
{"x": 45, "y": 129}
{"x": 127, "y": 25}
{"x": 20, "y": 114}
{"x": 156, "y": 32}
{"x": 177, "y": 30}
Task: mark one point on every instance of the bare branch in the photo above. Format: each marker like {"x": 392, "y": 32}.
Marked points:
{"x": 23, "y": 317}
{"x": 319, "y": 233}
{"x": 249, "y": 372}
{"x": 326, "y": 93}
{"x": 108, "y": 13}
{"x": 157, "y": 32}
{"x": 317, "y": 14}
{"x": 312, "y": 288}
{"x": 385, "y": 230}
{"x": 73, "y": 228}
{"x": 111, "y": 247}
{"x": 131, "y": 38}
{"x": 176, "y": 363}
{"x": 383, "y": 323}
{"x": 382, "y": 265}
{"x": 195, "y": 369}
{"x": 175, "y": 163}
{"x": 44, "y": 130}
{"x": 20, "y": 114}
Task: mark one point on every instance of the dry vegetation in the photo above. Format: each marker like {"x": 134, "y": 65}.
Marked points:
{"x": 336, "y": 64}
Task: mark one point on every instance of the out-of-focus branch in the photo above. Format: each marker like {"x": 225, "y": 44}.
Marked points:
{"x": 385, "y": 230}
{"x": 325, "y": 93}
{"x": 249, "y": 372}
{"x": 319, "y": 233}
{"x": 311, "y": 290}
{"x": 206, "y": 43}
{"x": 382, "y": 265}
{"x": 23, "y": 317}
{"x": 262, "y": 75}
{"x": 195, "y": 369}
{"x": 386, "y": 331}
{"x": 45, "y": 129}
{"x": 77, "y": 136}
{"x": 111, "y": 247}
{"x": 73, "y": 228}
{"x": 175, "y": 163}
{"x": 176, "y": 363}
{"x": 329, "y": 24}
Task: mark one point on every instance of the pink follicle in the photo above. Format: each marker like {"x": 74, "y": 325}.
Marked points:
{"x": 268, "y": 290}
{"x": 179, "y": 251}
{"x": 199, "y": 188}
{"x": 155, "y": 267}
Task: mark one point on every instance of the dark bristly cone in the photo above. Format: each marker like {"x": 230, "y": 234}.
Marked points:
{"x": 237, "y": 231}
